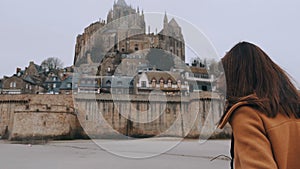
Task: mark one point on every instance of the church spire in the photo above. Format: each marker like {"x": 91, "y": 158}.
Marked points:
{"x": 122, "y": 3}
{"x": 165, "y": 20}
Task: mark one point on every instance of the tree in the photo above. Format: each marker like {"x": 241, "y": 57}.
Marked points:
{"x": 52, "y": 63}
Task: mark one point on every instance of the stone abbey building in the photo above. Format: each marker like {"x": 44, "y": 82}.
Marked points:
{"x": 122, "y": 47}
{"x": 124, "y": 31}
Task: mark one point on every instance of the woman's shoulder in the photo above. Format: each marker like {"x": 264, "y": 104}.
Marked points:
{"x": 248, "y": 114}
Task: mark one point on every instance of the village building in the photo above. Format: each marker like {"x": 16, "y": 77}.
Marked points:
{"x": 171, "y": 83}
{"x": 66, "y": 86}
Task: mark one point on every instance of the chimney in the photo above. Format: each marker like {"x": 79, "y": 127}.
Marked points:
{"x": 18, "y": 70}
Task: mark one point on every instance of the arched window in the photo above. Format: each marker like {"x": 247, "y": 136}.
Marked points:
{"x": 161, "y": 83}
{"x": 153, "y": 82}
{"x": 136, "y": 47}
{"x": 123, "y": 48}
{"x": 108, "y": 83}
{"x": 161, "y": 80}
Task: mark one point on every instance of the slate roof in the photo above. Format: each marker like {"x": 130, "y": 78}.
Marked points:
{"x": 65, "y": 82}
{"x": 118, "y": 82}
{"x": 29, "y": 79}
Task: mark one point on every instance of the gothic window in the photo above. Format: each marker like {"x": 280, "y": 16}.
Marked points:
{"x": 108, "y": 69}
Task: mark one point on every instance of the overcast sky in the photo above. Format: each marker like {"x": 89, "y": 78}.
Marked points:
{"x": 33, "y": 30}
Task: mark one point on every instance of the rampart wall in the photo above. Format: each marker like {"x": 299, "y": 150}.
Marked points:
{"x": 54, "y": 116}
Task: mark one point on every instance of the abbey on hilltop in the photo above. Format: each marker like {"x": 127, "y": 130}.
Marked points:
{"x": 142, "y": 61}
{"x": 124, "y": 31}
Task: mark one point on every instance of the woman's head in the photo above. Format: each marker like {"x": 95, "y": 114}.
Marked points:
{"x": 248, "y": 69}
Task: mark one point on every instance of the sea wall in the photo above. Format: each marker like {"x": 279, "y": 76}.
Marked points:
{"x": 24, "y": 117}
{"x": 37, "y": 117}
{"x": 150, "y": 115}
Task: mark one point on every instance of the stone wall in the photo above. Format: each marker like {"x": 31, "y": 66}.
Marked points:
{"x": 119, "y": 116}
{"x": 38, "y": 117}
{"x": 24, "y": 117}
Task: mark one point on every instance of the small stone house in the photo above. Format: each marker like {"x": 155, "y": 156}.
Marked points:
{"x": 170, "y": 83}
{"x": 52, "y": 84}
{"x": 19, "y": 85}
{"x": 66, "y": 85}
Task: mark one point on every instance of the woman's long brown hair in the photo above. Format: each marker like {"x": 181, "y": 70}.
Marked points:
{"x": 248, "y": 70}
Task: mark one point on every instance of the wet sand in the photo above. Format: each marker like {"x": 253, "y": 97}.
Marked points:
{"x": 85, "y": 154}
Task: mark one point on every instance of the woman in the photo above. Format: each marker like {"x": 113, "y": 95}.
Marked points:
{"x": 263, "y": 110}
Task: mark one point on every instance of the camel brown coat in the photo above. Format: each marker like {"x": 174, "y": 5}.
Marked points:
{"x": 261, "y": 142}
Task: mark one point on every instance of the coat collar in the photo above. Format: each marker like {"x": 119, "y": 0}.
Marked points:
{"x": 225, "y": 119}
{"x": 241, "y": 102}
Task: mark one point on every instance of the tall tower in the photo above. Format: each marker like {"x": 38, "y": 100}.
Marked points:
{"x": 166, "y": 21}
